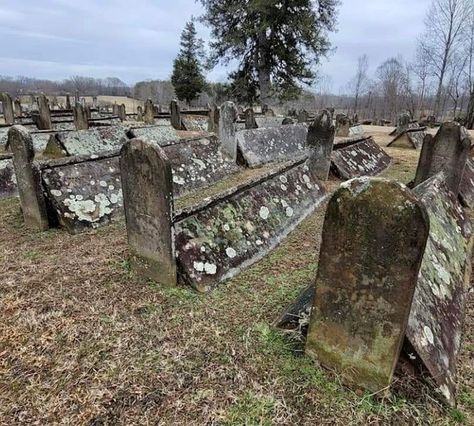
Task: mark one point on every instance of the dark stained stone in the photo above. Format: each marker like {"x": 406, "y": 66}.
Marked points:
{"x": 149, "y": 116}
{"x": 218, "y": 239}
{"x": 373, "y": 241}
{"x": 84, "y": 195}
{"x": 139, "y": 116}
{"x": 411, "y": 138}
{"x": 122, "y": 112}
{"x": 147, "y": 186}
{"x": 44, "y": 120}
{"x": 8, "y": 113}
{"x": 446, "y": 152}
{"x": 303, "y": 116}
{"x": 466, "y": 189}
{"x": 343, "y": 124}
{"x": 175, "y": 115}
{"x": 437, "y": 313}
{"x": 250, "y": 122}
{"x": 8, "y": 186}
{"x": 261, "y": 146}
{"x": 357, "y": 158}
{"x": 18, "y": 108}
{"x": 227, "y": 118}
{"x": 320, "y": 141}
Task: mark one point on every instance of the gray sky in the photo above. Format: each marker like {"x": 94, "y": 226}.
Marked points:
{"x": 138, "y": 40}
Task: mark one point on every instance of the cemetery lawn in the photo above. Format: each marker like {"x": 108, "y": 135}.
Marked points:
{"x": 85, "y": 341}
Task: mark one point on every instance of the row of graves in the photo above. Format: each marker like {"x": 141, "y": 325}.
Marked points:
{"x": 394, "y": 262}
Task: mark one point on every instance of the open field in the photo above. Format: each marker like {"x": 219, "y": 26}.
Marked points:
{"x": 85, "y": 341}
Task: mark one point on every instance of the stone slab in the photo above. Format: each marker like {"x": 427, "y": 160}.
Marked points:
{"x": 409, "y": 139}
{"x": 261, "y": 146}
{"x": 161, "y": 134}
{"x": 359, "y": 158}
{"x": 216, "y": 241}
{"x": 194, "y": 123}
{"x": 8, "y": 186}
{"x": 268, "y": 122}
{"x": 466, "y": 188}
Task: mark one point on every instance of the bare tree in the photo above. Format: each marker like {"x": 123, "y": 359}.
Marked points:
{"x": 421, "y": 70}
{"x": 444, "y": 32}
{"x": 469, "y": 51}
{"x": 391, "y": 77}
{"x": 360, "y": 81}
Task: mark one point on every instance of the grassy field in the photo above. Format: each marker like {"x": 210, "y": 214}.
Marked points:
{"x": 84, "y": 341}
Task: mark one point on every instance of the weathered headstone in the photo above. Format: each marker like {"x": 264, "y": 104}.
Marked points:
{"x": 320, "y": 141}
{"x": 227, "y": 117}
{"x": 213, "y": 119}
{"x": 7, "y": 103}
{"x": 303, "y": 116}
{"x": 175, "y": 115}
{"x": 373, "y": 241}
{"x": 410, "y": 138}
{"x": 81, "y": 121}
{"x": 149, "y": 116}
{"x": 139, "y": 113}
{"x": 343, "y": 125}
{"x": 18, "y": 109}
{"x": 148, "y": 203}
{"x": 446, "y": 152}
{"x": 68, "y": 101}
{"x": 28, "y": 179}
{"x": 122, "y": 112}
{"x": 44, "y": 120}
{"x": 115, "y": 110}
{"x": 250, "y": 122}
{"x": 8, "y": 186}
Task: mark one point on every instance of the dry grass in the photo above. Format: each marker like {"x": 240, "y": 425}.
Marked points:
{"x": 84, "y": 341}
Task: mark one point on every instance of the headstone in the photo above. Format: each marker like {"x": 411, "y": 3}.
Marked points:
{"x": 44, "y": 119}
{"x": 28, "y": 179}
{"x": 373, "y": 240}
{"x": 115, "y": 110}
{"x": 175, "y": 115}
{"x": 122, "y": 113}
{"x": 94, "y": 102}
{"x": 80, "y": 117}
{"x": 320, "y": 141}
{"x": 250, "y": 122}
{"x": 8, "y": 186}
{"x": 227, "y": 117}
{"x": 149, "y": 116}
{"x": 8, "y": 113}
{"x": 303, "y": 116}
{"x": 18, "y": 109}
{"x": 148, "y": 203}
{"x": 287, "y": 121}
{"x": 410, "y": 138}
{"x": 139, "y": 113}
{"x": 343, "y": 125}
{"x": 68, "y": 101}
{"x": 213, "y": 123}
{"x": 446, "y": 152}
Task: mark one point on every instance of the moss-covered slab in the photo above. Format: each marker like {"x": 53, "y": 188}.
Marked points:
{"x": 194, "y": 123}
{"x": 437, "y": 314}
{"x": 197, "y": 163}
{"x": 160, "y": 134}
{"x": 466, "y": 188}
{"x": 373, "y": 240}
{"x": 411, "y": 138}
{"x": 362, "y": 157}
{"x": 4, "y": 137}
{"x": 8, "y": 185}
{"x": 216, "y": 241}
{"x": 84, "y": 195}
{"x": 261, "y": 146}
{"x": 268, "y": 122}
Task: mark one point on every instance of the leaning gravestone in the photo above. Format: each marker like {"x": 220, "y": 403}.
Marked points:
{"x": 7, "y": 103}
{"x": 320, "y": 141}
{"x": 175, "y": 115}
{"x": 213, "y": 119}
{"x": 18, "y": 109}
{"x": 149, "y": 116}
{"x": 8, "y": 185}
{"x": 44, "y": 119}
{"x": 250, "y": 122}
{"x": 81, "y": 121}
{"x": 343, "y": 125}
{"x": 446, "y": 152}
{"x": 227, "y": 117}
{"x": 374, "y": 236}
{"x": 122, "y": 113}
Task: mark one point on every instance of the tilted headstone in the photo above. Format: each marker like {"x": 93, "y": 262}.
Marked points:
{"x": 28, "y": 178}
{"x": 360, "y": 157}
{"x": 8, "y": 113}
{"x": 68, "y": 101}
{"x": 250, "y": 122}
{"x": 227, "y": 117}
{"x": 18, "y": 109}
{"x": 320, "y": 141}
{"x": 343, "y": 125}
{"x": 213, "y": 119}
{"x": 446, "y": 152}
{"x": 356, "y": 131}
{"x": 8, "y": 186}
{"x": 81, "y": 121}
{"x": 149, "y": 116}
{"x": 410, "y": 138}
{"x": 139, "y": 113}
{"x": 175, "y": 115}
{"x": 122, "y": 113}
{"x": 437, "y": 314}
{"x": 44, "y": 119}
{"x": 374, "y": 236}
{"x": 148, "y": 203}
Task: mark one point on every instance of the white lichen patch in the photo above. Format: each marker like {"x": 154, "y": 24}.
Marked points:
{"x": 230, "y": 252}
{"x": 289, "y": 211}
{"x": 210, "y": 268}
{"x": 103, "y": 184}
{"x": 264, "y": 212}
{"x": 428, "y": 337}
{"x": 178, "y": 180}
{"x": 56, "y": 192}
{"x": 198, "y": 266}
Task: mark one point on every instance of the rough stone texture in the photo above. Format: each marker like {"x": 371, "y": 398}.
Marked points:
{"x": 4, "y": 137}
{"x": 217, "y": 240}
{"x": 404, "y": 123}
{"x": 320, "y": 141}
{"x": 64, "y": 126}
{"x": 213, "y": 119}
{"x": 40, "y": 139}
{"x": 356, "y": 131}
{"x": 175, "y": 115}
{"x": 268, "y": 122}
{"x": 147, "y": 186}
{"x": 139, "y": 116}
{"x": 68, "y": 101}
{"x": 84, "y": 195}
{"x": 86, "y": 142}
{"x": 343, "y": 124}
{"x": 260, "y": 146}
{"x": 250, "y": 122}
{"x": 411, "y": 138}
{"x": 194, "y": 123}
{"x": 122, "y": 112}
{"x": 28, "y": 178}
{"x": 18, "y": 109}
{"x": 149, "y": 116}
{"x": 228, "y": 115}
{"x": 466, "y": 188}
{"x": 81, "y": 122}
{"x": 303, "y": 116}
{"x": 437, "y": 314}
{"x": 161, "y": 134}
{"x": 197, "y": 163}
{"x": 373, "y": 240}
{"x": 44, "y": 119}
{"x": 7, "y": 103}
{"x": 8, "y": 185}
{"x": 357, "y": 158}
{"x": 446, "y": 152}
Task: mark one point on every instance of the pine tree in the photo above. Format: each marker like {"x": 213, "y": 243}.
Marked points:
{"x": 188, "y": 80}
{"x": 278, "y": 43}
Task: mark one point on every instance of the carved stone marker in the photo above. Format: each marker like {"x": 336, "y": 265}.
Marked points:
{"x": 227, "y": 117}
{"x": 68, "y": 101}
{"x": 122, "y": 112}
{"x": 139, "y": 113}
{"x": 18, "y": 109}
{"x": 373, "y": 241}
{"x": 80, "y": 117}
{"x": 446, "y": 152}
{"x": 320, "y": 141}
{"x": 28, "y": 179}
{"x": 8, "y": 185}
{"x": 250, "y": 122}
{"x": 175, "y": 115}
{"x": 303, "y": 116}
{"x": 148, "y": 202}
{"x": 343, "y": 124}
{"x": 149, "y": 116}
{"x": 7, "y": 103}
{"x": 213, "y": 119}
{"x": 44, "y": 119}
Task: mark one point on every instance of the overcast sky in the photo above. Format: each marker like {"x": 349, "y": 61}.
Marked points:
{"x": 137, "y": 40}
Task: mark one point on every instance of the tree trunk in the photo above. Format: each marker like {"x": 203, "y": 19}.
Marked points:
{"x": 470, "y": 111}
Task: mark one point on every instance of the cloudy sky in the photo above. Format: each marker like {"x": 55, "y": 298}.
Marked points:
{"x": 138, "y": 40}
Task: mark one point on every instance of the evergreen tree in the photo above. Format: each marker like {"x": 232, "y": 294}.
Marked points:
{"x": 278, "y": 43}
{"x": 188, "y": 80}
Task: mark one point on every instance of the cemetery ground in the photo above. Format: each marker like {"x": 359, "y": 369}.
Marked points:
{"x": 85, "y": 341}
